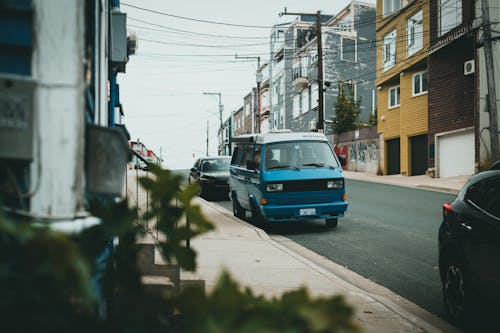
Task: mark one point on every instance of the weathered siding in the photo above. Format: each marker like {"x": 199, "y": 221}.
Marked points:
{"x": 413, "y": 112}
{"x": 452, "y": 95}
{"x": 410, "y": 118}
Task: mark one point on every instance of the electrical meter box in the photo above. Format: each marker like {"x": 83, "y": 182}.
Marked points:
{"x": 16, "y": 118}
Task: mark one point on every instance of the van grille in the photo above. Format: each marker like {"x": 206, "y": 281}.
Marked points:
{"x": 305, "y": 185}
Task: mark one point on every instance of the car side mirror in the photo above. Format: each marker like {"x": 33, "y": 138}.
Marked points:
{"x": 193, "y": 170}
{"x": 251, "y": 165}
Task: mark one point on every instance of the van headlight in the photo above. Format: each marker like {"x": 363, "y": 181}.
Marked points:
{"x": 335, "y": 184}
{"x": 274, "y": 188}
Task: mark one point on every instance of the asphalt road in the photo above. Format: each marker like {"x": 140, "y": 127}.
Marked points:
{"x": 389, "y": 235}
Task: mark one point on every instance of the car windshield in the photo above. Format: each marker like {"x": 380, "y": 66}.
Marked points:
{"x": 215, "y": 165}
{"x": 299, "y": 155}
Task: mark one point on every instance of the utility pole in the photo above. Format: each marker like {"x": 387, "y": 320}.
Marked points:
{"x": 221, "y": 108}
{"x": 490, "y": 76}
{"x": 207, "y": 137}
{"x": 320, "y": 126}
{"x": 258, "y": 79}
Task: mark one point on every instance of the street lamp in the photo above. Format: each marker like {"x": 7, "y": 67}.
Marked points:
{"x": 221, "y": 108}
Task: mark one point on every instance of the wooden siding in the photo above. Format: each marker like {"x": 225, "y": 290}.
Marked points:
{"x": 398, "y": 22}
{"x": 452, "y": 95}
{"x": 414, "y": 119}
{"x": 411, "y": 117}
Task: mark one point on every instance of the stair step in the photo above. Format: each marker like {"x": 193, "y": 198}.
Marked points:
{"x": 159, "y": 284}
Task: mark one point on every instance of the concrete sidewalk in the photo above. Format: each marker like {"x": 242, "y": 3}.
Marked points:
{"x": 449, "y": 184}
{"x": 269, "y": 268}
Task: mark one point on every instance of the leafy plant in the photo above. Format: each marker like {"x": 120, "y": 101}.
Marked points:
{"x": 347, "y": 110}
{"x": 52, "y": 283}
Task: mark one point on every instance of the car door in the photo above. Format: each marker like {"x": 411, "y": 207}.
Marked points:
{"x": 482, "y": 230}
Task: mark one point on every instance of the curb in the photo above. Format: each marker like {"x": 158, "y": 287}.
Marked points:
{"x": 411, "y": 318}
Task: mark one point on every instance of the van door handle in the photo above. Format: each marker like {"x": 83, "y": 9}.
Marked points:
{"x": 465, "y": 226}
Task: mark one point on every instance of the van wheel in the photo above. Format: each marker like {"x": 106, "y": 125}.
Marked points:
{"x": 257, "y": 218}
{"x": 238, "y": 211}
{"x": 332, "y": 223}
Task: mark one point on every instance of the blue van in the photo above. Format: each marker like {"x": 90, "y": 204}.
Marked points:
{"x": 286, "y": 176}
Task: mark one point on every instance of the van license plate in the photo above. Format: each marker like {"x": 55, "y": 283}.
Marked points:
{"x": 307, "y": 211}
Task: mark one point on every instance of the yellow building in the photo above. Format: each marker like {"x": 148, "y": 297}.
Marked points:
{"x": 402, "y": 44}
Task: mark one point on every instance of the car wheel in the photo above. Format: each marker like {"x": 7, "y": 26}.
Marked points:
{"x": 238, "y": 211}
{"x": 332, "y": 223}
{"x": 457, "y": 295}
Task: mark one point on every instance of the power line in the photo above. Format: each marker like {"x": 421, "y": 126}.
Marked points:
{"x": 194, "y": 19}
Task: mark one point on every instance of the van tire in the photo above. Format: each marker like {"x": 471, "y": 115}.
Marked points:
{"x": 238, "y": 211}
{"x": 257, "y": 218}
{"x": 332, "y": 223}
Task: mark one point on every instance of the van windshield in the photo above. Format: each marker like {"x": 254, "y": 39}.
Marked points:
{"x": 299, "y": 155}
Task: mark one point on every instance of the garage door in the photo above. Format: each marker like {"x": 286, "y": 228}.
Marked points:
{"x": 456, "y": 154}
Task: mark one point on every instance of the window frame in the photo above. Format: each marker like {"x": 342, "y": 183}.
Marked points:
{"x": 342, "y": 49}
{"x": 296, "y": 106}
{"x": 458, "y": 10}
{"x": 398, "y": 97}
{"x": 389, "y": 41}
{"x": 421, "y": 83}
{"x": 414, "y": 33}
{"x": 391, "y": 9}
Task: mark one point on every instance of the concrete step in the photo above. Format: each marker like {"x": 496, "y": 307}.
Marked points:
{"x": 159, "y": 285}
{"x": 191, "y": 280}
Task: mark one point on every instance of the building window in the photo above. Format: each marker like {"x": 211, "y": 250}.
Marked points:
{"x": 305, "y": 100}
{"x": 389, "y": 51}
{"x": 414, "y": 34}
{"x": 393, "y": 97}
{"x": 391, "y": 6}
{"x": 419, "y": 83}
{"x": 296, "y": 106}
{"x": 314, "y": 96}
{"x": 348, "y": 49}
{"x": 247, "y": 109}
{"x": 450, "y": 15}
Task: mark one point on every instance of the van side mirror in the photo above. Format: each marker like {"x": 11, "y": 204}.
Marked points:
{"x": 251, "y": 165}
{"x": 342, "y": 160}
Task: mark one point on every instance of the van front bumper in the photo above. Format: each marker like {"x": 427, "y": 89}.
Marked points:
{"x": 303, "y": 212}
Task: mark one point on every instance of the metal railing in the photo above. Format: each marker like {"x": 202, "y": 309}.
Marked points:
{"x": 140, "y": 198}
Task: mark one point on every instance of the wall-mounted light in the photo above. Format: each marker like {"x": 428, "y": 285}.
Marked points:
{"x": 379, "y": 87}
{"x": 382, "y": 117}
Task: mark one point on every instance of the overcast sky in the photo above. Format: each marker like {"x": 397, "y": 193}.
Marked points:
{"x": 178, "y": 59}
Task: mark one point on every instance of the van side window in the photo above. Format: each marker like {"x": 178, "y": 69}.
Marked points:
{"x": 256, "y": 157}
{"x": 246, "y": 155}
{"x": 236, "y": 159}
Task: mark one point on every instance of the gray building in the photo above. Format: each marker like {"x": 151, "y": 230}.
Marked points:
{"x": 349, "y": 56}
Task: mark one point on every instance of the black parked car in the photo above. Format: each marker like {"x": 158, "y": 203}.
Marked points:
{"x": 469, "y": 248}
{"x": 212, "y": 175}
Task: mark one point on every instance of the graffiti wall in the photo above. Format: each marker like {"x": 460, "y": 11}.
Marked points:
{"x": 361, "y": 151}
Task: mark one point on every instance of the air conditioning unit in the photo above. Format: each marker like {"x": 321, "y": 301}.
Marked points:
{"x": 469, "y": 67}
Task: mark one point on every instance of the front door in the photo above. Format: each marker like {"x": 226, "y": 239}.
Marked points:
{"x": 393, "y": 156}
{"x": 418, "y": 146}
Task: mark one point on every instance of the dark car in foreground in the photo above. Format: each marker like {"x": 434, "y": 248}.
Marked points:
{"x": 212, "y": 175}
{"x": 469, "y": 249}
